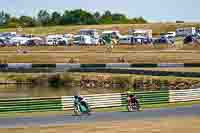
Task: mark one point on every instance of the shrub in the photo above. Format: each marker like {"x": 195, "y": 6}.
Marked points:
{"x": 122, "y": 81}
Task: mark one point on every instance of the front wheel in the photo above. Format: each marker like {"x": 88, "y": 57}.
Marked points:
{"x": 76, "y": 110}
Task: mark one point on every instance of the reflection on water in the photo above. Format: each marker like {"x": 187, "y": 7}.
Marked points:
{"x": 14, "y": 91}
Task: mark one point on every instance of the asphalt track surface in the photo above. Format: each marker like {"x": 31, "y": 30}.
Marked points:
{"x": 59, "y": 120}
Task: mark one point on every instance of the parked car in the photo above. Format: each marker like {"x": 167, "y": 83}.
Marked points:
{"x": 169, "y": 34}
{"x": 57, "y": 40}
{"x": 190, "y": 39}
{"x": 2, "y": 43}
{"x": 35, "y": 41}
{"x": 134, "y": 40}
{"x": 164, "y": 40}
{"x": 18, "y": 41}
{"x": 126, "y": 40}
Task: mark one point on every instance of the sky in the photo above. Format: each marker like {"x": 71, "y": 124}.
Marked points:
{"x": 152, "y": 10}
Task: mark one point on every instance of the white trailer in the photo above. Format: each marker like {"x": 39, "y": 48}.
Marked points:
{"x": 147, "y": 33}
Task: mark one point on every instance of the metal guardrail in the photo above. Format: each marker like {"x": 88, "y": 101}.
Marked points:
{"x": 30, "y": 104}
{"x": 184, "y": 95}
{"x": 78, "y": 65}
{"x": 118, "y": 99}
{"x": 96, "y": 101}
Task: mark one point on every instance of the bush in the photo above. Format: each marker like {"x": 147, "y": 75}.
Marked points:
{"x": 55, "y": 80}
{"x": 67, "y": 79}
{"x": 122, "y": 81}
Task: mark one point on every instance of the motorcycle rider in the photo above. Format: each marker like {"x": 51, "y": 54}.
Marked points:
{"x": 81, "y": 100}
{"x": 132, "y": 100}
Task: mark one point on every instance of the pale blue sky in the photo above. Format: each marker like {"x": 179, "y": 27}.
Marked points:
{"x": 153, "y": 10}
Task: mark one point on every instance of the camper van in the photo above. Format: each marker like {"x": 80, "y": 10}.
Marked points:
{"x": 141, "y": 36}
{"x": 90, "y": 32}
{"x": 114, "y": 34}
{"x": 185, "y": 31}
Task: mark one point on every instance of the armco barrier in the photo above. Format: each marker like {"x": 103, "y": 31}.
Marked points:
{"x": 138, "y": 72}
{"x": 117, "y": 99}
{"x": 97, "y": 101}
{"x": 30, "y": 104}
{"x": 108, "y": 65}
{"x": 184, "y": 95}
{"x": 148, "y": 98}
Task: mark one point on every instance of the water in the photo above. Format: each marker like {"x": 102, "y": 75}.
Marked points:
{"x": 18, "y": 91}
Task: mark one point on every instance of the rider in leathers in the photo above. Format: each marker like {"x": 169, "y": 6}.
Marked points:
{"x": 81, "y": 100}
{"x": 132, "y": 99}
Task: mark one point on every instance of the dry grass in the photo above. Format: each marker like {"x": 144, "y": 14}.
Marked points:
{"x": 117, "y": 48}
{"x": 101, "y": 57}
{"x": 156, "y": 27}
{"x": 164, "y": 125}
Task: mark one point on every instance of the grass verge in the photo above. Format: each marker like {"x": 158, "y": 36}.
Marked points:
{"x": 114, "y": 109}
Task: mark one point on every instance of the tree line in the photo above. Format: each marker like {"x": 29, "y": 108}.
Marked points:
{"x": 69, "y": 17}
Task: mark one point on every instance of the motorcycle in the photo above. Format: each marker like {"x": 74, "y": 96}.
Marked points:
{"x": 80, "y": 109}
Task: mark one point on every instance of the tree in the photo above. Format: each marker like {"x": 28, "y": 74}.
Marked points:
{"x": 97, "y": 15}
{"x": 27, "y": 21}
{"x": 80, "y": 16}
{"x": 107, "y": 14}
{"x": 65, "y": 19}
{"x": 4, "y": 18}
{"x": 75, "y": 17}
{"x": 106, "y": 18}
{"x": 56, "y": 18}
{"x": 119, "y": 18}
{"x": 141, "y": 20}
{"x": 13, "y": 22}
{"x": 43, "y": 17}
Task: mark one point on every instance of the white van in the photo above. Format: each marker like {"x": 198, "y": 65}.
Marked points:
{"x": 82, "y": 40}
{"x": 56, "y": 40}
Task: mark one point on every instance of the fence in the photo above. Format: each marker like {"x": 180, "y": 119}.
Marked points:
{"x": 105, "y": 66}
{"x": 97, "y": 101}
{"x": 30, "y": 104}
{"x": 184, "y": 95}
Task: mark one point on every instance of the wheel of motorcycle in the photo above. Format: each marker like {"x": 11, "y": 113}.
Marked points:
{"x": 130, "y": 109}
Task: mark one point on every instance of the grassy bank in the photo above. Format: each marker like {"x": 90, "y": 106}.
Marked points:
{"x": 108, "y": 81}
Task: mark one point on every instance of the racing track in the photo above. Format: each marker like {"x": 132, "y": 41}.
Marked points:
{"x": 59, "y": 120}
